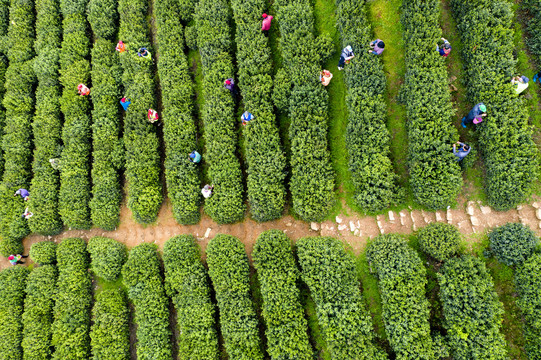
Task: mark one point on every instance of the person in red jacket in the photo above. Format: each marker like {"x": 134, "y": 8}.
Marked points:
{"x": 266, "y": 24}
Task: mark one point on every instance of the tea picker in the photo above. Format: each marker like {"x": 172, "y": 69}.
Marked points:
{"x": 475, "y": 115}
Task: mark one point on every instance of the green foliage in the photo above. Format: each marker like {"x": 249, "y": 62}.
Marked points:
{"x": 190, "y": 36}
{"x": 439, "y": 240}
{"x": 17, "y": 138}
{"x": 505, "y": 137}
{"x": 47, "y": 125}
{"x": 281, "y": 90}
{"x": 265, "y": 158}
{"x": 140, "y": 139}
{"x": 43, "y": 252}
{"x": 73, "y": 300}
{"x": 141, "y": 275}
{"x": 473, "y": 313}
{"x": 103, "y": 17}
{"x": 110, "y": 333}
{"x": 187, "y": 8}
{"x": 38, "y": 313}
{"x": 512, "y": 243}
{"x": 330, "y": 274}
{"x": 186, "y": 283}
{"x": 107, "y": 154}
{"x": 402, "y": 285}
{"x": 367, "y": 137}
{"x": 12, "y": 285}
{"x": 312, "y": 176}
{"x": 226, "y": 204}
{"x": 528, "y": 283}
{"x": 75, "y": 187}
{"x": 230, "y": 275}
{"x": 287, "y": 329}
{"x": 179, "y": 131}
{"x": 107, "y": 256}
{"x": 435, "y": 175}
{"x": 534, "y": 26}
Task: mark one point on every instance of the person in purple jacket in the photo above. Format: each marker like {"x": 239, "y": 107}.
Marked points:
{"x": 229, "y": 84}
{"x": 377, "y": 47}
{"x": 23, "y": 193}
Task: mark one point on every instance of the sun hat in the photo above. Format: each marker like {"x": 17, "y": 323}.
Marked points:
{"x": 483, "y": 108}
{"x": 228, "y": 82}
{"x": 264, "y": 15}
{"x": 11, "y": 257}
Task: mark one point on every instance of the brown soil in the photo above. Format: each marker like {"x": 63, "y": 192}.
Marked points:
{"x": 132, "y": 233}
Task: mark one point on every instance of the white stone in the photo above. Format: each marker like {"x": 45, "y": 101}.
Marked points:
{"x": 200, "y": 239}
{"x": 538, "y": 213}
{"x": 380, "y": 227}
{"x": 342, "y": 227}
{"x": 474, "y": 221}
{"x": 470, "y": 210}
{"x": 486, "y": 210}
{"x": 449, "y": 216}
{"x": 439, "y": 217}
{"x": 352, "y": 226}
{"x": 358, "y": 224}
{"x": 540, "y": 225}
{"x": 356, "y": 232}
{"x": 331, "y": 228}
{"x": 288, "y": 224}
{"x": 391, "y": 215}
{"x": 412, "y": 218}
{"x": 338, "y": 220}
{"x": 207, "y": 233}
{"x": 314, "y": 226}
{"x": 414, "y": 227}
{"x": 519, "y": 207}
{"x": 535, "y": 205}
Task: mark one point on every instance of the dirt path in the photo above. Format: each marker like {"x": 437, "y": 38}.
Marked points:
{"x": 470, "y": 217}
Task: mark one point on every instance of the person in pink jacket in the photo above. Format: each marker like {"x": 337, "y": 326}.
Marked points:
{"x": 266, "y": 24}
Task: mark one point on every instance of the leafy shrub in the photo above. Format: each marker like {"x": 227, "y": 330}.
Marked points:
{"x": 186, "y": 283}
{"x": 367, "y": 137}
{"x": 312, "y": 176}
{"x": 103, "y": 17}
{"x": 141, "y": 275}
{"x": 187, "y": 8}
{"x": 440, "y": 241}
{"x": 107, "y": 256}
{"x": 141, "y": 142}
{"x": 180, "y": 133}
{"x": 402, "y": 285}
{"x": 190, "y": 35}
{"x": 528, "y": 283}
{"x": 505, "y": 137}
{"x": 226, "y": 204}
{"x": 265, "y": 158}
{"x": 473, "y": 313}
{"x": 12, "y": 285}
{"x": 47, "y": 124}
{"x": 512, "y": 243}
{"x": 110, "y": 333}
{"x": 281, "y": 90}
{"x": 73, "y": 300}
{"x": 38, "y": 313}
{"x": 533, "y": 7}
{"x": 17, "y": 133}
{"x": 435, "y": 175}
{"x": 230, "y": 275}
{"x": 43, "y": 252}
{"x": 287, "y": 329}
{"x": 330, "y": 274}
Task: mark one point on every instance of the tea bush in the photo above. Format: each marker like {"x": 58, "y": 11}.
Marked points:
{"x": 230, "y": 275}
{"x": 330, "y": 274}
{"x": 287, "y": 329}
{"x": 43, "y": 252}
{"x": 107, "y": 257}
{"x": 512, "y": 243}
{"x": 439, "y": 240}
{"x": 187, "y": 284}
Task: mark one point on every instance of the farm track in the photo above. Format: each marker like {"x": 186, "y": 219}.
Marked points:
{"x": 471, "y": 218}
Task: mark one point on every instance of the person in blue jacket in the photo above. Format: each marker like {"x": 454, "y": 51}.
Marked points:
{"x": 462, "y": 151}
{"x": 475, "y": 115}
{"x": 195, "y": 157}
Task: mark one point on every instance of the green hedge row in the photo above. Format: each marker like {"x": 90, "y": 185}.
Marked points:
{"x": 330, "y": 274}
{"x": 473, "y": 313}
{"x": 38, "y": 313}
{"x": 287, "y": 329}
{"x": 439, "y": 240}
{"x": 367, "y": 137}
{"x": 141, "y": 275}
{"x": 4, "y": 24}
{"x": 47, "y": 125}
{"x": 179, "y": 131}
{"x": 402, "y": 285}
{"x": 110, "y": 333}
{"x": 43, "y": 252}
{"x": 505, "y": 138}
{"x": 108, "y": 151}
{"x": 533, "y": 7}
{"x": 73, "y": 301}
{"x": 230, "y": 275}
{"x": 528, "y": 283}
{"x": 312, "y": 176}
{"x": 226, "y": 204}
{"x": 265, "y": 158}
{"x": 75, "y": 188}
{"x": 17, "y": 138}
{"x": 187, "y": 284}
{"x": 435, "y": 175}
{"x": 107, "y": 257}
{"x": 140, "y": 138}
{"x": 12, "y": 285}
